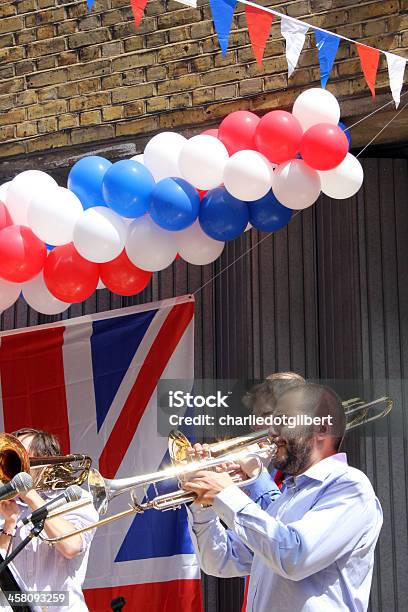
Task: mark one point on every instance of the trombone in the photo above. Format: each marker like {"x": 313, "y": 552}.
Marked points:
{"x": 49, "y": 473}
{"x": 104, "y": 490}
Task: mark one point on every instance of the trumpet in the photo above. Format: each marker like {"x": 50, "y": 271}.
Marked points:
{"x": 104, "y": 490}
{"x": 48, "y": 473}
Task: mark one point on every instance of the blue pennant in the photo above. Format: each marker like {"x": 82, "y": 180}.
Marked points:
{"x": 327, "y": 45}
{"x": 223, "y": 12}
{"x": 90, "y": 4}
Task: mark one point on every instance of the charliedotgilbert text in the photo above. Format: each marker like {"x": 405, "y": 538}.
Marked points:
{"x": 251, "y": 420}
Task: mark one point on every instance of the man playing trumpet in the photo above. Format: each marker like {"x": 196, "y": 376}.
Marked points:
{"x": 312, "y": 550}
{"x": 260, "y": 401}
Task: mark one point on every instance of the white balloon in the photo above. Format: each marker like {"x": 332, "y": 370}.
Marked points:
{"x": 22, "y": 190}
{"x": 248, "y": 175}
{"x": 52, "y": 216}
{"x": 100, "y": 285}
{"x": 100, "y": 234}
{"x": 37, "y": 295}
{"x": 195, "y": 247}
{"x": 9, "y": 293}
{"x": 248, "y": 227}
{"x": 138, "y": 158}
{"x": 345, "y": 180}
{"x": 150, "y": 247}
{"x": 296, "y": 185}
{"x": 202, "y": 161}
{"x": 314, "y": 106}
{"x": 3, "y": 190}
{"x": 161, "y": 155}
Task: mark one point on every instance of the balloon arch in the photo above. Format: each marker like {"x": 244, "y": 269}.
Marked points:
{"x": 118, "y": 223}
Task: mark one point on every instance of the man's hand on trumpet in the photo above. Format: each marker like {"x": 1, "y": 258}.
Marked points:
{"x": 247, "y": 467}
{"x": 200, "y": 452}
{"x": 206, "y": 485}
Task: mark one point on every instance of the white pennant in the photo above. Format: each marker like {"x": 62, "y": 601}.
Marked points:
{"x": 396, "y": 71}
{"x": 294, "y": 33}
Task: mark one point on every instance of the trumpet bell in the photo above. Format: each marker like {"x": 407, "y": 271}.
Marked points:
{"x": 178, "y": 446}
{"x": 13, "y": 457}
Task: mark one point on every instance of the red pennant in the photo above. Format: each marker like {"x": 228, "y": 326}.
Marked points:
{"x": 259, "y": 26}
{"x": 138, "y": 7}
{"x": 369, "y": 58}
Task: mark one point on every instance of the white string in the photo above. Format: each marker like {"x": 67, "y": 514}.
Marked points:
{"x": 241, "y": 256}
{"x": 382, "y": 129}
{"x": 373, "y": 112}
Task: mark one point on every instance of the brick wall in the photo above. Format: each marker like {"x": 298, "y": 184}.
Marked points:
{"x": 70, "y": 78}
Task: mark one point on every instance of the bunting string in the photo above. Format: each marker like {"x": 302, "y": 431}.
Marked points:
{"x": 259, "y": 21}
{"x": 327, "y": 45}
{"x": 294, "y": 31}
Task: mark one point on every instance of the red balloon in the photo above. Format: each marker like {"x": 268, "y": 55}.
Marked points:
{"x": 278, "y": 136}
{"x": 202, "y": 192}
{"x": 237, "y": 131}
{"x": 122, "y": 277}
{"x": 68, "y": 276}
{"x": 324, "y": 146}
{"x": 22, "y": 254}
{"x": 5, "y": 219}
{"x": 211, "y": 132}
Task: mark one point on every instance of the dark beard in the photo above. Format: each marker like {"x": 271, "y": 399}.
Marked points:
{"x": 298, "y": 452}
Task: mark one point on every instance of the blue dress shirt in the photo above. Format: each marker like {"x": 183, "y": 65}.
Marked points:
{"x": 311, "y": 551}
{"x": 264, "y": 490}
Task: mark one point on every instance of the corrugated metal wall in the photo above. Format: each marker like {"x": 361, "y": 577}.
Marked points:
{"x": 327, "y": 297}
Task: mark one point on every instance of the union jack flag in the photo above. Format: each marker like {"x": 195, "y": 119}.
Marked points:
{"x": 92, "y": 381}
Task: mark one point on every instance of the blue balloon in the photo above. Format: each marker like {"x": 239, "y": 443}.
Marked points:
{"x": 127, "y": 188}
{"x": 268, "y": 214}
{"x": 50, "y": 247}
{"x": 345, "y": 129}
{"x": 174, "y": 204}
{"x": 85, "y": 180}
{"x": 222, "y": 216}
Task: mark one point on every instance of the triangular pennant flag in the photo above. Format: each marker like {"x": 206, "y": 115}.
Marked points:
{"x": 327, "y": 45}
{"x": 396, "y": 72}
{"x": 223, "y": 12}
{"x": 138, "y": 8}
{"x": 90, "y": 4}
{"x": 294, "y": 32}
{"x": 259, "y": 26}
{"x": 369, "y": 58}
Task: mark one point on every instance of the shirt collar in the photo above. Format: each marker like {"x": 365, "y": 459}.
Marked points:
{"x": 321, "y": 470}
